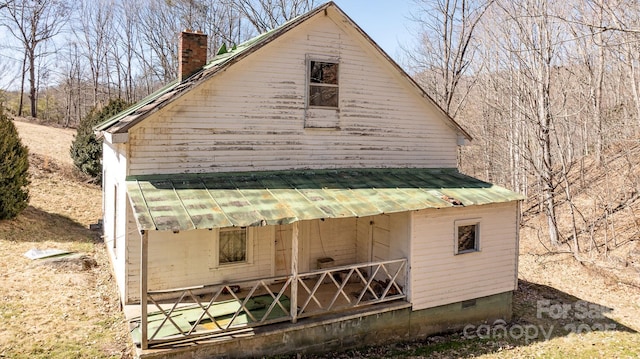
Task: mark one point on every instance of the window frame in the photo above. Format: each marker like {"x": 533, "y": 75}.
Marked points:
{"x": 456, "y": 240}
{"x": 327, "y": 60}
{"x": 248, "y": 260}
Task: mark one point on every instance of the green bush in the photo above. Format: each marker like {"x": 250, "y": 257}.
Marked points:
{"x": 86, "y": 149}
{"x": 14, "y": 167}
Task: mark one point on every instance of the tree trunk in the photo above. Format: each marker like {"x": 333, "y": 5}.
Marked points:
{"x": 23, "y": 75}
{"x": 32, "y": 83}
{"x": 545, "y": 120}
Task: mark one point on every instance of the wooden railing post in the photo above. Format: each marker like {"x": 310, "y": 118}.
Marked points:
{"x": 406, "y": 289}
{"x": 294, "y": 273}
{"x": 144, "y": 250}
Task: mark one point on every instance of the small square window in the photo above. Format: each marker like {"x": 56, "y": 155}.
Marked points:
{"x": 232, "y": 246}
{"x": 467, "y": 237}
{"x": 323, "y": 84}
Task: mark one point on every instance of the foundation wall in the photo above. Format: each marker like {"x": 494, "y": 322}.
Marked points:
{"x": 340, "y": 333}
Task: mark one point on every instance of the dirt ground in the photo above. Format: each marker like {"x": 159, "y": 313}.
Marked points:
{"x": 70, "y": 309}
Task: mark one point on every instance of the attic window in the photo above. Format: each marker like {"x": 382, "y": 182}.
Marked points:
{"x": 323, "y": 84}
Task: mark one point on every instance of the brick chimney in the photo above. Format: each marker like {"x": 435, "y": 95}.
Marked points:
{"x": 192, "y": 52}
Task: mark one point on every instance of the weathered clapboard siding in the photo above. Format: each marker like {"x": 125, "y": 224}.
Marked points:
{"x": 131, "y": 249}
{"x": 447, "y": 278}
{"x": 252, "y": 116}
{"x": 113, "y": 179}
{"x": 333, "y": 238}
{"x": 188, "y": 259}
{"x": 116, "y": 226}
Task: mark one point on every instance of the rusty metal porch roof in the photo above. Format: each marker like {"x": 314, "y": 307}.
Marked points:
{"x": 215, "y": 200}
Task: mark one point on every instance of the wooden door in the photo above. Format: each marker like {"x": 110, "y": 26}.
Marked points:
{"x": 283, "y": 250}
{"x": 283, "y": 237}
{"x": 380, "y": 238}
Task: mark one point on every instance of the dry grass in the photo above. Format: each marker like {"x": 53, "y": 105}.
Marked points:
{"x": 60, "y": 311}
{"x": 66, "y": 311}
{"x": 50, "y": 142}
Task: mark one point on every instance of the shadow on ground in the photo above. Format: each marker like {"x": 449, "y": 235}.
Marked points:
{"x": 35, "y": 225}
{"x": 542, "y": 305}
{"x": 540, "y": 313}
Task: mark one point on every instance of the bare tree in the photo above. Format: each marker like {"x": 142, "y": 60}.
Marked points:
{"x": 536, "y": 39}
{"x": 94, "y": 32}
{"x": 123, "y": 50}
{"x": 72, "y": 84}
{"x": 5, "y": 4}
{"x": 34, "y": 23}
{"x": 158, "y": 28}
{"x": 625, "y": 16}
{"x": 266, "y": 15}
{"x": 447, "y": 47}
{"x": 224, "y": 24}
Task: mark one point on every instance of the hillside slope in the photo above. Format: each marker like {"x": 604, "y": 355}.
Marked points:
{"x": 598, "y": 216}
{"x": 64, "y": 310}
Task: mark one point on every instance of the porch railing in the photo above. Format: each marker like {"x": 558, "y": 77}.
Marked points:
{"x": 353, "y": 286}
{"x": 210, "y": 311}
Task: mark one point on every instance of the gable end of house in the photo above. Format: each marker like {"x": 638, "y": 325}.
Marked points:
{"x": 123, "y": 122}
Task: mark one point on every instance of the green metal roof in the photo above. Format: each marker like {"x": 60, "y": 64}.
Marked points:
{"x": 214, "y": 200}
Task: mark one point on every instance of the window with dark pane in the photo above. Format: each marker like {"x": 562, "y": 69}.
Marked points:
{"x": 232, "y": 245}
{"x": 467, "y": 238}
{"x": 323, "y": 84}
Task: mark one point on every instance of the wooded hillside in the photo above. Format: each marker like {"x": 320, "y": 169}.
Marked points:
{"x": 548, "y": 90}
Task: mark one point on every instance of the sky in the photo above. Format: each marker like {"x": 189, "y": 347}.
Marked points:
{"x": 385, "y": 21}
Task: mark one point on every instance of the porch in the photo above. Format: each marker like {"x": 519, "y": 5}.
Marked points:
{"x": 183, "y": 316}
{"x": 255, "y": 239}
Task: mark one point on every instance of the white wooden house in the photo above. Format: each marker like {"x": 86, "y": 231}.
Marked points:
{"x": 295, "y": 183}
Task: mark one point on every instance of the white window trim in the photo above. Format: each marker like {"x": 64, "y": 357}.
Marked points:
{"x": 467, "y": 222}
{"x": 249, "y": 250}
{"x": 320, "y": 58}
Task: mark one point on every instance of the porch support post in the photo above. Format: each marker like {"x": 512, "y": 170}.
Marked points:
{"x": 294, "y": 273}
{"x": 144, "y": 251}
